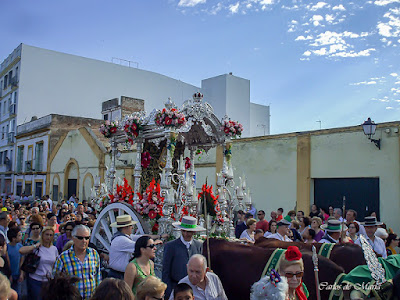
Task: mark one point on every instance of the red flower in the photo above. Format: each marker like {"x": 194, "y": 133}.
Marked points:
{"x": 155, "y": 227}
{"x": 152, "y": 214}
{"x": 168, "y": 121}
{"x": 188, "y": 163}
{"x": 293, "y": 253}
{"x": 133, "y": 126}
{"x": 113, "y": 129}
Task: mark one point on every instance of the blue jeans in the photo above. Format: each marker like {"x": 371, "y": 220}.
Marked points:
{"x": 16, "y": 285}
{"x": 34, "y": 289}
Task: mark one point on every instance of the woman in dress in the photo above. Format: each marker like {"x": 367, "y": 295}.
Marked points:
{"x": 316, "y": 222}
{"x": 292, "y": 267}
{"x": 142, "y": 265}
{"x": 248, "y": 234}
{"x": 353, "y": 232}
{"x": 272, "y": 228}
{"x": 48, "y": 255}
{"x": 391, "y": 242}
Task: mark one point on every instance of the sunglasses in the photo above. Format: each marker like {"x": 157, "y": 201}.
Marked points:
{"x": 68, "y": 229}
{"x": 22, "y": 218}
{"x": 290, "y": 275}
{"x": 151, "y": 247}
{"x": 83, "y": 237}
{"x": 35, "y": 228}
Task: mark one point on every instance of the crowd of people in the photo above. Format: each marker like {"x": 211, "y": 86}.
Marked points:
{"x": 318, "y": 227}
{"x": 45, "y": 251}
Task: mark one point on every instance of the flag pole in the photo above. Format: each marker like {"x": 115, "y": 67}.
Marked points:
{"x": 315, "y": 262}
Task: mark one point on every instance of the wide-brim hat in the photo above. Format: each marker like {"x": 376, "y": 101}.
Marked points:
{"x": 189, "y": 224}
{"x": 123, "y": 221}
{"x": 334, "y": 226}
{"x": 370, "y": 221}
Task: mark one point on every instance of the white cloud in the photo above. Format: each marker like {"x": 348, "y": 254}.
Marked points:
{"x": 316, "y": 19}
{"x": 397, "y": 82}
{"x": 366, "y": 52}
{"x": 339, "y": 7}
{"x": 329, "y": 18}
{"x": 385, "y": 2}
{"x": 384, "y": 29}
{"x": 394, "y": 74}
{"x": 190, "y": 3}
{"x": 307, "y": 53}
{"x": 266, "y": 2}
{"x": 234, "y": 8}
{"x": 319, "y": 5}
{"x": 389, "y": 107}
{"x": 321, "y": 51}
{"x": 364, "y": 83}
{"x": 215, "y": 9}
{"x": 303, "y": 38}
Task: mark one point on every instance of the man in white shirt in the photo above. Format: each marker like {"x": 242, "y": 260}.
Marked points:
{"x": 377, "y": 244}
{"x": 332, "y": 228}
{"x": 281, "y": 231}
{"x": 49, "y": 201}
{"x": 205, "y": 285}
{"x": 123, "y": 245}
{"x": 337, "y": 213}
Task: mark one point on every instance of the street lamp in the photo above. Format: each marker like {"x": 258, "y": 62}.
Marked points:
{"x": 369, "y": 128}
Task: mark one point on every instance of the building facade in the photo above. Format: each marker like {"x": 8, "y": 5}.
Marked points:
{"x": 39, "y": 82}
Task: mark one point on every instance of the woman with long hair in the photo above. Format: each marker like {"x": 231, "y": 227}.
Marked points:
{"x": 48, "y": 255}
{"x": 141, "y": 266}
{"x": 316, "y": 222}
{"x": 272, "y": 228}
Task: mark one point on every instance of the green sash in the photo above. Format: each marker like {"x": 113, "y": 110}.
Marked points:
{"x": 273, "y": 262}
{"x": 326, "y": 249}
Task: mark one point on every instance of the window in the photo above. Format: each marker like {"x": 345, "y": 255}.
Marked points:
{"x": 20, "y": 159}
{"x": 28, "y": 188}
{"x": 9, "y": 77}
{"x": 2, "y": 133}
{"x": 1, "y": 158}
{"x": 5, "y": 158}
{"x": 5, "y": 82}
{"x": 105, "y": 117}
{"x": 38, "y": 189}
{"x": 55, "y": 192}
{"x": 19, "y": 188}
{"x": 39, "y": 157}
{"x": 16, "y": 73}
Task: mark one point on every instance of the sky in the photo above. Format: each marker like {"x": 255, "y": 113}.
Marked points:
{"x": 318, "y": 64}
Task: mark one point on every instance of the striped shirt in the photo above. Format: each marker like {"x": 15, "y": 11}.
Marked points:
{"x": 88, "y": 271}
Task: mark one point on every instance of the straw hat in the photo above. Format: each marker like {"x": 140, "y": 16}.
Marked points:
{"x": 123, "y": 221}
{"x": 370, "y": 221}
{"x": 189, "y": 224}
{"x": 333, "y": 226}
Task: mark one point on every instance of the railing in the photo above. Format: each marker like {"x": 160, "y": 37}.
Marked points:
{"x": 28, "y": 166}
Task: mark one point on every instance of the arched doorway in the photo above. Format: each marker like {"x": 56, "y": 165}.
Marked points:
{"x": 71, "y": 179}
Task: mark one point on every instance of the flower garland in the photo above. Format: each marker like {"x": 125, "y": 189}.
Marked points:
{"x": 212, "y": 205}
{"x": 122, "y": 193}
{"x": 108, "y": 128}
{"x": 170, "y": 118}
{"x": 232, "y": 129}
{"x": 188, "y": 163}
{"x": 132, "y": 125}
{"x": 146, "y": 159}
{"x": 151, "y": 203}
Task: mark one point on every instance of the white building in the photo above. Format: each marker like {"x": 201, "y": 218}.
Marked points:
{"x": 39, "y": 82}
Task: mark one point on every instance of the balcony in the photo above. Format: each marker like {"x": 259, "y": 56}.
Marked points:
{"x": 14, "y": 81}
{"x": 12, "y": 109}
{"x": 10, "y": 138}
{"x": 28, "y": 166}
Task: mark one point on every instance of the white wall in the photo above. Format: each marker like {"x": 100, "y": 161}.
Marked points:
{"x": 54, "y": 82}
{"x": 259, "y": 120}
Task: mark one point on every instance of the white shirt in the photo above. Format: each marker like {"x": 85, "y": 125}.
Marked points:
{"x": 378, "y": 245}
{"x": 50, "y": 202}
{"x": 48, "y": 257}
{"x": 214, "y": 289}
{"x": 187, "y": 244}
{"x": 267, "y": 234}
{"x": 246, "y": 235}
{"x": 121, "y": 250}
{"x": 277, "y": 236}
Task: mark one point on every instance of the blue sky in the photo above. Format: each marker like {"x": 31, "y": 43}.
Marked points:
{"x": 333, "y": 61}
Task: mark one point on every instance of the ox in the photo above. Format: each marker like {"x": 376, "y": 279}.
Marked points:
{"x": 239, "y": 266}
{"x": 340, "y": 253}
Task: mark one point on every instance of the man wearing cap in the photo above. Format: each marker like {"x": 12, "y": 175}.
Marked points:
{"x": 377, "y": 244}
{"x": 332, "y": 228}
{"x": 178, "y": 252}
{"x": 281, "y": 231}
{"x": 123, "y": 245}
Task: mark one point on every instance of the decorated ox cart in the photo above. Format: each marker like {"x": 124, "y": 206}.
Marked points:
{"x": 164, "y": 186}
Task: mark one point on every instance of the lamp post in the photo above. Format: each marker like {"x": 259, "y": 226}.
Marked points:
{"x": 369, "y": 128}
